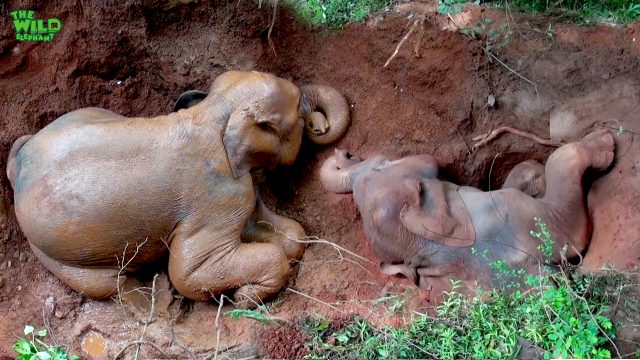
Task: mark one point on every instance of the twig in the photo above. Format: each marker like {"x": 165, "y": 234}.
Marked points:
{"x": 217, "y": 324}
{"x": 273, "y": 21}
{"x": 411, "y": 30}
{"x": 151, "y": 317}
{"x": 419, "y": 36}
{"x": 484, "y": 139}
{"x": 47, "y": 324}
{"x": 124, "y": 265}
{"x": 566, "y": 281}
{"x": 463, "y": 140}
{"x": 312, "y": 298}
{"x": 535, "y": 87}
{"x": 175, "y": 341}
{"x": 620, "y": 129}
{"x": 138, "y": 343}
{"x": 315, "y": 240}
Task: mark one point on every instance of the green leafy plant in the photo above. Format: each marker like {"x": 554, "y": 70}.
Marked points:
{"x": 492, "y": 37}
{"x": 260, "y": 314}
{"x": 37, "y": 349}
{"x": 452, "y": 6}
{"x": 563, "y": 313}
{"x": 581, "y": 11}
{"x": 336, "y": 13}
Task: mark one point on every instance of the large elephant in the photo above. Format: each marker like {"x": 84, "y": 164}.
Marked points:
{"x": 425, "y": 228}
{"x": 99, "y": 195}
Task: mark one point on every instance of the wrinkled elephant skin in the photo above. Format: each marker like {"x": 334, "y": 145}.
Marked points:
{"x": 99, "y": 195}
{"x": 433, "y": 231}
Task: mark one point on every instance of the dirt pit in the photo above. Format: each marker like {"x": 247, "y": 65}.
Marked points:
{"x": 136, "y": 58}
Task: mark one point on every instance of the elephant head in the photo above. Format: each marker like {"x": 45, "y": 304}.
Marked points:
{"x": 266, "y": 117}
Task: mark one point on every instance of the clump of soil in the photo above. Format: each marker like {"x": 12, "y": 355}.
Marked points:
{"x": 283, "y": 341}
{"x": 145, "y": 53}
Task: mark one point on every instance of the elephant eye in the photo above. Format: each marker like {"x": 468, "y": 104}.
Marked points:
{"x": 267, "y": 126}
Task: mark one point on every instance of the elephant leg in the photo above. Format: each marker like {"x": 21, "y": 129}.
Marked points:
{"x": 206, "y": 264}
{"x": 564, "y": 190}
{"x": 93, "y": 283}
{"x": 266, "y": 226}
{"x": 528, "y": 177}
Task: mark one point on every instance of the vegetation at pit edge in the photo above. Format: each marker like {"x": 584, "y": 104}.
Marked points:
{"x": 563, "y": 314}
{"x": 336, "y": 13}
{"x": 579, "y": 11}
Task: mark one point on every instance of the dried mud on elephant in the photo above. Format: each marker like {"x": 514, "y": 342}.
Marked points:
{"x": 135, "y": 59}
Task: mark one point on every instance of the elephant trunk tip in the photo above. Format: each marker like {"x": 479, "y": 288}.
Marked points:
{"x": 335, "y": 179}
{"x": 326, "y": 113}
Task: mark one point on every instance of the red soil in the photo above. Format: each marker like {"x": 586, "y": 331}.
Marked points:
{"x": 135, "y": 59}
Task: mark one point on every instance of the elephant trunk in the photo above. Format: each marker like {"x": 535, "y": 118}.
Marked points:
{"x": 335, "y": 179}
{"x": 320, "y": 129}
{"x": 338, "y": 175}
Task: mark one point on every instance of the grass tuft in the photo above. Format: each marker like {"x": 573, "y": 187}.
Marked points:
{"x": 562, "y": 314}
{"x": 336, "y": 13}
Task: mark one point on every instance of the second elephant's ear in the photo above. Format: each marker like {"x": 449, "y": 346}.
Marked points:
{"x": 431, "y": 214}
{"x": 188, "y": 99}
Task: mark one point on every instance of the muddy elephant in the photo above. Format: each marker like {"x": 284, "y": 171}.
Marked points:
{"x": 433, "y": 231}
{"x": 99, "y": 195}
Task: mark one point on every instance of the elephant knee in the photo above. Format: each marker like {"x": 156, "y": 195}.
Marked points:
{"x": 292, "y": 246}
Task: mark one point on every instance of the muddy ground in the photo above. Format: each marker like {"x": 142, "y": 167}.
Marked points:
{"x": 135, "y": 58}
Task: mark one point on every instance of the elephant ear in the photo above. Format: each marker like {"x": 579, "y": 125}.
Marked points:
{"x": 188, "y": 99}
{"x": 432, "y": 214}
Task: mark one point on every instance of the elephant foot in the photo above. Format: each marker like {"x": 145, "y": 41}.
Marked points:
{"x": 268, "y": 227}
{"x": 92, "y": 283}
{"x": 600, "y": 146}
{"x": 256, "y": 270}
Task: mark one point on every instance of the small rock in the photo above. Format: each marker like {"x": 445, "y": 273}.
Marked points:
{"x": 49, "y": 306}
{"x": 58, "y": 314}
{"x": 19, "y": 288}
{"x": 1, "y": 283}
{"x": 23, "y": 257}
{"x": 93, "y": 344}
{"x": 9, "y": 264}
{"x": 491, "y": 100}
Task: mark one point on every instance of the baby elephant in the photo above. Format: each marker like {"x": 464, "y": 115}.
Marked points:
{"x": 432, "y": 231}
{"x": 101, "y": 196}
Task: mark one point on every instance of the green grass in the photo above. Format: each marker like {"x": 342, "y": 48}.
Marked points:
{"x": 335, "y": 13}
{"x": 564, "y": 314}
{"x": 580, "y": 11}
{"x": 555, "y": 320}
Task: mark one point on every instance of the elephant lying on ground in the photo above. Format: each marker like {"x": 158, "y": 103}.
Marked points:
{"x": 95, "y": 190}
{"x": 425, "y": 228}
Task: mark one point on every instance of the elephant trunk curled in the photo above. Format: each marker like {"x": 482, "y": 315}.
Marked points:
{"x": 334, "y": 178}
{"x": 332, "y": 104}
{"x": 338, "y": 175}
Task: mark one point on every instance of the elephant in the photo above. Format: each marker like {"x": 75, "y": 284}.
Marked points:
{"x": 433, "y": 231}
{"x": 100, "y": 196}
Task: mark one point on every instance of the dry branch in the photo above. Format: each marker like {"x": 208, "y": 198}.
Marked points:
{"x": 484, "y": 139}
{"x": 312, "y": 298}
{"x": 406, "y": 36}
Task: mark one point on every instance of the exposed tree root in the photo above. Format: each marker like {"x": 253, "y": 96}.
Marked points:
{"x": 482, "y": 140}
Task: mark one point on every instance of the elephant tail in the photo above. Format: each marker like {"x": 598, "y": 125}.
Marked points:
{"x": 11, "y": 162}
